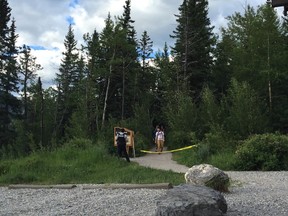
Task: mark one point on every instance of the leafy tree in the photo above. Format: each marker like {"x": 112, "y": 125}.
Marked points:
{"x": 182, "y": 116}
{"x": 253, "y": 51}
{"x": 246, "y": 112}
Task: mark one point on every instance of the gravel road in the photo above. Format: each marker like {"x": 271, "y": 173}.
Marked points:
{"x": 252, "y": 194}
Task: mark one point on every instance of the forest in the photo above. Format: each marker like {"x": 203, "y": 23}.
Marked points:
{"x": 227, "y": 92}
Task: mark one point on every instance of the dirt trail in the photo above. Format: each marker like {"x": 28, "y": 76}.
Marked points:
{"x": 160, "y": 161}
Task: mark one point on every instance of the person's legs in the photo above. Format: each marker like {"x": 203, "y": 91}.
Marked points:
{"x": 119, "y": 151}
{"x": 161, "y": 145}
{"x": 122, "y": 149}
{"x": 125, "y": 153}
{"x": 158, "y": 146}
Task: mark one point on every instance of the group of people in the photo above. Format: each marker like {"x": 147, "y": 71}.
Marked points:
{"x": 122, "y": 139}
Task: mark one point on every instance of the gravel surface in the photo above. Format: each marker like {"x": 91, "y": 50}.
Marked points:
{"x": 252, "y": 193}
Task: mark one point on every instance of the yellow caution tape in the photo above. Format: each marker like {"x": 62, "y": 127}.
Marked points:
{"x": 175, "y": 150}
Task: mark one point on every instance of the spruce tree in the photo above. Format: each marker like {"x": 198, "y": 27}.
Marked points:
{"x": 93, "y": 80}
{"x": 145, "y": 78}
{"x": 9, "y": 104}
{"x": 193, "y": 45}
{"x": 28, "y": 69}
{"x": 67, "y": 79}
{"x": 128, "y": 53}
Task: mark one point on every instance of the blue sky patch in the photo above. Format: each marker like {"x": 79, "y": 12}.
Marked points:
{"x": 70, "y": 20}
{"x": 73, "y": 3}
{"x": 37, "y": 47}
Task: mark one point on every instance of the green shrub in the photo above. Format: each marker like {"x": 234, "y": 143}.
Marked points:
{"x": 223, "y": 160}
{"x": 187, "y": 157}
{"x": 79, "y": 143}
{"x": 219, "y": 141}
{"x": 263, "y": 152}
{"x": 4, "y": 167}
{"x": 178, "y": 139}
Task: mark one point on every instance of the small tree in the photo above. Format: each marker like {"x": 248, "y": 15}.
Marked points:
{"x": 28, "y": 69}
{"x": 246, "y": 111}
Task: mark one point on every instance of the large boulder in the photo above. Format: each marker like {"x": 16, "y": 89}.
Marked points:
{"x": 191, "y": 200}
{"x": 207, "y": 175}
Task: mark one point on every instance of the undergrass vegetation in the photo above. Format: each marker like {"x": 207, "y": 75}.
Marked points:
{"x": 74, "y": 163}
{"x": 260, "y": 152}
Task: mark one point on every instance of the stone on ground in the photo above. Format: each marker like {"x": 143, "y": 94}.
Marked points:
{"x": 207, "y": 175}
{"x": 191, "y": 200}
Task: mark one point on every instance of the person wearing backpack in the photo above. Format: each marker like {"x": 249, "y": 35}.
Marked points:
{"x": 159, "y": 139}
{"x": 121, "y": 138}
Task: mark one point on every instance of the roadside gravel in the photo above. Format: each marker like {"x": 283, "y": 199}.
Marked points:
{"x": 251, "y": 194}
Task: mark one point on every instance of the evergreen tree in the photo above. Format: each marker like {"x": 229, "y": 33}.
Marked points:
{"x": 128, "y": 53}
{"x": 28, "y": 69}
{"x": 145, "y": 50}
{"x": 93, "y": 80}
{"x": 9, "y": 104}
{"x": 67, "y": 79}
{"x": 193, "y": 46}
{"x": 145, "y": 79}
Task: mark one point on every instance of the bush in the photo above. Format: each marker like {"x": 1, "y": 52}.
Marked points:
{"x": 79, "y": 143}
{"x": 223, "y": 160}
{"x": 263, "y": 152}
{"x": 178, "y": 139}
{"x": 219, "y": 141}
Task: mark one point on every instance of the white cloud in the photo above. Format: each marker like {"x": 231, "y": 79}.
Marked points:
{"x": 44, "y": 22}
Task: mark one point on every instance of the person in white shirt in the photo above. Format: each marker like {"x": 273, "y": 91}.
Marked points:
{"x": 159, "y": 139}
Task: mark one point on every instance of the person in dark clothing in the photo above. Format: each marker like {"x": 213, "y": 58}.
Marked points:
{"x": 121, "y": 138}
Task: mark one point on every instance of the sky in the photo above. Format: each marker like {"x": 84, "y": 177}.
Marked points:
{"x": 43, "y": 24}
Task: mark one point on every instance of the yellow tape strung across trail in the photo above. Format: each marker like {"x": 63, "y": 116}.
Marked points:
{"x": 175, "y": 150}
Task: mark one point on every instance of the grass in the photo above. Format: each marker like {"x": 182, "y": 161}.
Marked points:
{"x": 224, "y": 160}
{"x": 72, "y": 165}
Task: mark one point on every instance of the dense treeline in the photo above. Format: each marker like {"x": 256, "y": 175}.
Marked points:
{"x": 220, "y": 89}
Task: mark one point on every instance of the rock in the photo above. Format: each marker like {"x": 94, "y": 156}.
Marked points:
{"x": 207, "y": 175}
{"x": 191, "y": 200}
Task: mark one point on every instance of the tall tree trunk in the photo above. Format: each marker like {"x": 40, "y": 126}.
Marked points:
{"x": 107, "y": 89}
{"x": 123, "y": 91}
{"x": 42, "y": 116}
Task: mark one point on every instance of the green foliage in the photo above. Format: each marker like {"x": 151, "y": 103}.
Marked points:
{"x": 263, "y": 152}
{"x": 193, "y": 46}
{"x": 177, "y": 139}
{"x": 5, "y": 167}
{"x": 181, "y": 115}
{"x": 219, "y": 140}
{"x": 79, "y": 143}
{"x": 142, "y": 125}
{"x": 78, "y": 126}
{"x": 211, "y": 113}
{"x": 245, "y": 110}
{"x": 80, "y": 162}
{"x": 224, "y": 160}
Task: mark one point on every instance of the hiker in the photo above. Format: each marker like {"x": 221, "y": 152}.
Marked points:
{"x": 154, "y": 137}
{"x": 160, "y": 139}
{"x": 121, "y": 138}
